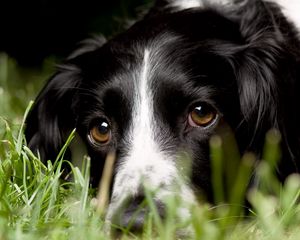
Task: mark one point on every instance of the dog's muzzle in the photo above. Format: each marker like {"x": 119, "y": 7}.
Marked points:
{"x": 133, "y": 213}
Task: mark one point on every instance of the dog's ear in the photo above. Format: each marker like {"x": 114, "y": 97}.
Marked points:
{"x": 258, "y": 64}
{"x": 266, "y": 70}
{"x": 53, "y": 117}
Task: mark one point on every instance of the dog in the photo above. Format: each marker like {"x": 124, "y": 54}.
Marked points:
{"x": 163, "y": 87}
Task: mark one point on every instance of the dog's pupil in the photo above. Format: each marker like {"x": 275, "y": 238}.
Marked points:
{"x": 103, "y": 128}
{"x": 201, "y": 111}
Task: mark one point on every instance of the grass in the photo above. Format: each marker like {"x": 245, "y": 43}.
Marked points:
{"x": 35, "y": 203}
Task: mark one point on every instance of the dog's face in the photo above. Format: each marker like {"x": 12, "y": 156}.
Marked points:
{"x": 156, "y": 94}
{"x": 154, "y": 102}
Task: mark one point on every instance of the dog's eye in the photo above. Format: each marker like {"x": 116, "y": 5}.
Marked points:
{"x": 202, "y": 115}
{"x": 100, "y": 133}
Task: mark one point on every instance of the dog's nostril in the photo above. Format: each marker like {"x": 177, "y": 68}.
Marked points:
{"x": 134, "y": 213}
{"x": 133, "y": 219}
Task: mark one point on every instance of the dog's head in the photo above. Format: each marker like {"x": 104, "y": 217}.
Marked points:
{"x": 157, "y": 93}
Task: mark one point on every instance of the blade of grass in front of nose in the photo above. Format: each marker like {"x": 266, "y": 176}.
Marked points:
{"x": 105, "y": 182}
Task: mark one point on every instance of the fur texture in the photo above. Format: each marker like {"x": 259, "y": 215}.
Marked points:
{"x": 240, "y": 58}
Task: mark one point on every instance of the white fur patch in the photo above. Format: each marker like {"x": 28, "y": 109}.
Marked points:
{"x": 186, "y": 4}
{"x": 144, "y": 160}
{"x": 145, "y": 163}
{"x": 291, "y": 9}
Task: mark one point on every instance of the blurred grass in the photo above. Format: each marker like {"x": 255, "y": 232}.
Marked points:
{"x": 19, "y": 85}
{"x": 36, "y": 204}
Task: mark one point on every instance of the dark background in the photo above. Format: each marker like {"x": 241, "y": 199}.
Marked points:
{"x": 32, "y": 30}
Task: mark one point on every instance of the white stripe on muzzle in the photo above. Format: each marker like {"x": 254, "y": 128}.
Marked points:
{"x": 145, "y": 163}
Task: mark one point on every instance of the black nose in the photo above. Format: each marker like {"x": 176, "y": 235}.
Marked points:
{"x": 133, "y": 213}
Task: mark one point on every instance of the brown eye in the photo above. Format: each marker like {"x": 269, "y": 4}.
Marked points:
{"x": 101, "y": 133}
{"x": 202, "y": 115}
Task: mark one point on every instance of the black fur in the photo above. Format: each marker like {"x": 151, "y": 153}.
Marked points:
{"x": 245, "y": 61}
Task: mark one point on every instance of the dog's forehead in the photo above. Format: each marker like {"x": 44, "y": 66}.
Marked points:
{"x": 163, "y": 61}
{"x": 172, "y": 73}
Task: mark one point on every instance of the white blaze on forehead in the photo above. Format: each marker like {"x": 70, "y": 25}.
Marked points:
{"x": 145, "y": 156}
{"x": 144, "y": 161}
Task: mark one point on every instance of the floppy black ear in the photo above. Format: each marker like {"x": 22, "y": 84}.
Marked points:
{"x": 266, "y": 69}
{"x": 259, "y": 64}
{"x": 53, "y": 116}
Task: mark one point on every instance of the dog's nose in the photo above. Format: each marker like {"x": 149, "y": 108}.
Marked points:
{"x": 131, "y": 217}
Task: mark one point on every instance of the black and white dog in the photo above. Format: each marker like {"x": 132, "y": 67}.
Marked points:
{"x": 164, "y": 86}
